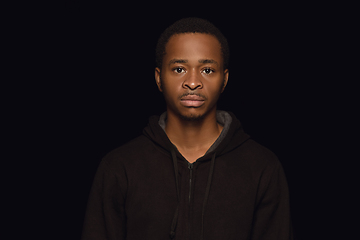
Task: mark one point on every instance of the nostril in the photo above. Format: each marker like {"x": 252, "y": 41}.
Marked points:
{"x": 193, "y": 85}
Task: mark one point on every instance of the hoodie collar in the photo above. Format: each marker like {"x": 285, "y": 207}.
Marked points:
{"x": 222, "y": 117}
{"x": 230, "y": 137}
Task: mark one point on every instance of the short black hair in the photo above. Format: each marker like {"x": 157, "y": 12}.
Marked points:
{"x": 191, "y": 25}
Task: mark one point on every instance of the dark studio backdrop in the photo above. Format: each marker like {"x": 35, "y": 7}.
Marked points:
{"x": 103, "y": 91}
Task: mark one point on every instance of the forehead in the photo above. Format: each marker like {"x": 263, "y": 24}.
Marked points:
{"x": 193, "y": 46}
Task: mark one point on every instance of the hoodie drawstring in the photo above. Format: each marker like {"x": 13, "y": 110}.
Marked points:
{"x": 176, "y": 170}
{"x": 207, "y": 191}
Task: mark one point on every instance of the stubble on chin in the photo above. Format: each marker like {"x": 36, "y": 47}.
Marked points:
{"x": 191, "y": 117}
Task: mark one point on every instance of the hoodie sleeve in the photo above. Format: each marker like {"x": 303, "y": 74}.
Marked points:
{"x": 272, "y": 216}
{"x": 105, "y": 215}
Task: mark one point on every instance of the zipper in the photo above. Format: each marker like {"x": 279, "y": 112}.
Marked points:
{"x": 190, "y": 166}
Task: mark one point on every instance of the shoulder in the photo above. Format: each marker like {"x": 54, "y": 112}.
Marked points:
{"x": 260, "y": 164}
{"x": 257, "y": 150}
{"x": 130, "y": 151}
{"x": 258, "y": 155}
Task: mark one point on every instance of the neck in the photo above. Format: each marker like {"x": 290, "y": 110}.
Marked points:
{"x": 193, "y": 138}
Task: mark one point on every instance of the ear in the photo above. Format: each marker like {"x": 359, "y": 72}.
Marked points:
{"x": 158, "y": 78}
{"x": 226, "y": 78}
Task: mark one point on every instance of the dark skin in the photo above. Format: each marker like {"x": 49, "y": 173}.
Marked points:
{"x": 192, "y": 78}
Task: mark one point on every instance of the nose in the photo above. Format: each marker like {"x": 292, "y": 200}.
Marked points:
{"x": 192, "y": 81}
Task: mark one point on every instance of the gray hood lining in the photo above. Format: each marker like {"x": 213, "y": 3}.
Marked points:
{"x": 222, "y": 117}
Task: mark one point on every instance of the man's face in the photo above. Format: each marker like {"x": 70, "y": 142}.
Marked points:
{"x": 192, "y": 75}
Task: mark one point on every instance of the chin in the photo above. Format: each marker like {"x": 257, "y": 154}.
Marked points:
{"x": 193, "y": 114}
{"x": 192, "y": 117}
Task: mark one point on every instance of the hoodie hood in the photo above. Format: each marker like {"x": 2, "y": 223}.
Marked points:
{"x": 231, "y": 136}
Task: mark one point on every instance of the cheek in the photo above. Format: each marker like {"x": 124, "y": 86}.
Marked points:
{"x": 170, "y": 90}
{"x": 215, "y": 87}
{"x": 167, "y": 86}
{"x": 171, "y": 84}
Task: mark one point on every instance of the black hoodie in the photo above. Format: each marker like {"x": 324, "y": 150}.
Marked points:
{"x": 146, "y": 189}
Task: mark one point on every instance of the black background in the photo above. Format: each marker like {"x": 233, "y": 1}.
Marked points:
{"x": 99, "y": 91}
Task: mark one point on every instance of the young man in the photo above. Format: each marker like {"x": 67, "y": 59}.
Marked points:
{"x": 194, "y": 173}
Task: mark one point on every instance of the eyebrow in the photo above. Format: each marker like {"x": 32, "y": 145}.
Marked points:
{"x": 208, "y": 61}
{"x": 173, "y": 61}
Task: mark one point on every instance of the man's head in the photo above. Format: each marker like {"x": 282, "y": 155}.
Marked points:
{"x": 191, "y": 25}
{"x": 192, "y": 73}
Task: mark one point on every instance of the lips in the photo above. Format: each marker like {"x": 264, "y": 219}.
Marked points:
{"x": 192, "y": 101}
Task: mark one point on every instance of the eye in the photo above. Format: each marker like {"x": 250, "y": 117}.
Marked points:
{"x": 179, "y": 70}
{"x": 208, "y": 71}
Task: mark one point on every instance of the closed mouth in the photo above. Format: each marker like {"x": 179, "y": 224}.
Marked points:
{"x": 193, "y": 97}
{"x": 192, "y": 101}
